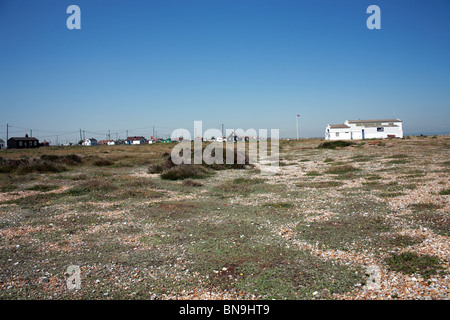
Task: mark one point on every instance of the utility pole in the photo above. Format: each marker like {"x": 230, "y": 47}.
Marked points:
{"x": 153, "y": 131}
{"x": 84, "y": 135}
{"x": 222, "y": 130}
{"x": 31, "y": 133}
{"x": 127, "y": 134}
{"x": 109, "y": 134}
{"x": 7, "y": 127}
{"x": 81, "y": 137}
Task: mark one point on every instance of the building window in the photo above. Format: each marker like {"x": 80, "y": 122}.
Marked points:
{"x": 20, "y": 143}
{"x": 380, "y": 129}
{"x": 337, "y": 134}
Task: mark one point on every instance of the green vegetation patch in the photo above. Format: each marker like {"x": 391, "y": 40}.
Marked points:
{"x": 281, "y": 205}
{"x": 411, "y": 263}
{"x": 342, "y": 169}
{"x": 319, "y": 184}
{"x": 398, "y": 161}
{"x": 185, "y": 171}
{"x": 439, "y": 222}
{"x": 242, "y": 185}
{"x": 335, "y": 144}
{"x": 345, "y": 231}
{"x": 239, "y": 253}
{"x": 313, "y": 174}
{"x": 8, "y": 187}
{"x": 43, "y": 187}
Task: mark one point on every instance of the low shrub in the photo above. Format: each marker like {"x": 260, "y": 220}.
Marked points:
{"x": 103, "y": 162}
{"x": 184, "y": 171}
{"x": 169, "y": 170}
{"x": 192, "y": 183}
{"x": 24, "y": 166}
{"x": 335, "y": 144}
{"x": 346, "y": 168}
{"x": 42, "y": 187}
{"x": 68, "y": 159}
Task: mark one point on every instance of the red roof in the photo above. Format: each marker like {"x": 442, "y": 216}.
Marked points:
{"x": 135, "y": 138}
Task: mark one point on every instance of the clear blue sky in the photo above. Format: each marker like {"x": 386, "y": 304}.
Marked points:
{"x": 245, "y": 63}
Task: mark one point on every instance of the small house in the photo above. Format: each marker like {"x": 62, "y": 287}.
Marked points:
{"x": 135, "y": 140}
{"x": 106, "y": 142}
{"x": 22, "y": 142}
{"x": 90, "y": 142}
{"x": 2, "y": 144}
{"x": 365, "y": 129}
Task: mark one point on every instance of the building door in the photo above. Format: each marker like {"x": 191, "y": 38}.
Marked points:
{"x": 363, "y": 134}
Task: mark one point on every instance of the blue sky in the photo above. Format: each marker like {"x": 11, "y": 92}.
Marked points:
{"x": 244, "y": 63}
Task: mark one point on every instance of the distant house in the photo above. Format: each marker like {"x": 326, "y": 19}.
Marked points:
{"x": 2, "y": 144}
{"x": 22, "y": 142}
{"x": 365, "y": 129}
{"x": 107, "y": 142}
{"x": 45, "y": 143}
{"x": 135, "y": 140}
{"x": 90, "y": 142}
{"x": 119, "y": 141}
{"x": 232, "y": 137}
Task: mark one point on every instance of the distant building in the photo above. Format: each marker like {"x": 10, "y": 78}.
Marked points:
{"x": 90, "y": 142}
{"x": 135, "y": 140}
{"x": 119, "y": 141}
{"x": 365, "y": 129}
{"x": 45, "y": 143}
{"x": 22, "y": 142}
{"x": 108, "y": 142}
{"x": 232, "y": 137}
{"x": 2, "y": 144}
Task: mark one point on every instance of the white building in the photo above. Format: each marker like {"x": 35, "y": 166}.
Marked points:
{"x": 135, "y": 140}
{"x": 365, "y": 129}
{"x": 2, "y": 144}
{"x": 90, "y": 142}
